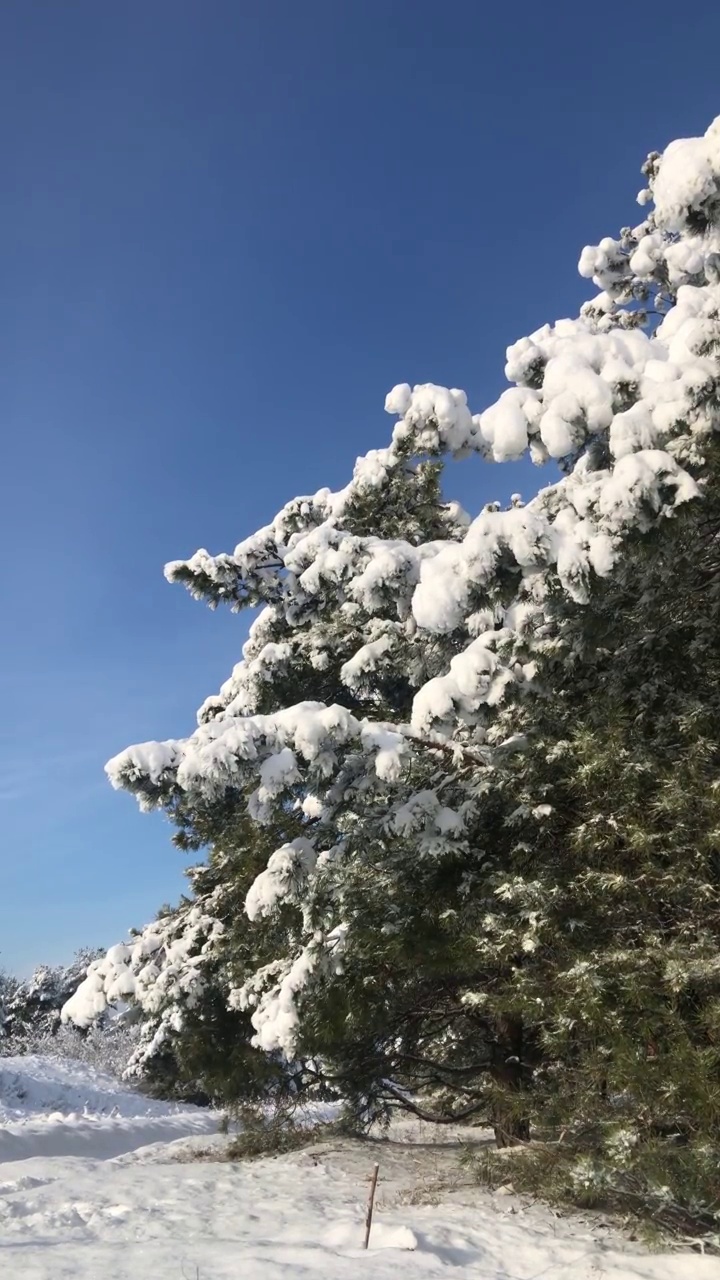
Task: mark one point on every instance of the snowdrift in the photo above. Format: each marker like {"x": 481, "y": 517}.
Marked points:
{"x": 55, "y": 1107}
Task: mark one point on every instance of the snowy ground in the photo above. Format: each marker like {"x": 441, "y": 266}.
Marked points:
{"x": 51, "y": 1107}
{"x": 91, "y": 1195}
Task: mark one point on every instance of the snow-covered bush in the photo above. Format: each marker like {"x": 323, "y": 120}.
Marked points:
{"x": 107, "y": 1047}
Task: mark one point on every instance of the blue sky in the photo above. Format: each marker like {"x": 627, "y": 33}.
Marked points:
{"x": 226, "y": 230}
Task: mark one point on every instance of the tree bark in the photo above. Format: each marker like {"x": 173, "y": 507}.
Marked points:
{"x": 511, "y": 1072}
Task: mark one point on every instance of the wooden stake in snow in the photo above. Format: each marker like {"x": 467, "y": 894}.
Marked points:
{"x": 371, "y": 1201}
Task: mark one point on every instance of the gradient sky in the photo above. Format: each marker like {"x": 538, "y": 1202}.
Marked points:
{"x": 227, "y": 228}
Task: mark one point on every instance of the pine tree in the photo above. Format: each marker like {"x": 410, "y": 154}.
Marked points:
{"x": 472, "y": 762}
{"x": 8, "y": 989}
{"x": 618, "y": 876}
{"x": 32, "y": 1007}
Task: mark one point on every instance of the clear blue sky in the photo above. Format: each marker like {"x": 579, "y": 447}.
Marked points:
{"x": 227, "y": 227}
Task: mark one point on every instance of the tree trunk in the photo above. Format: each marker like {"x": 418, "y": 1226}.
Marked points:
{"x": 510, "y": 1071}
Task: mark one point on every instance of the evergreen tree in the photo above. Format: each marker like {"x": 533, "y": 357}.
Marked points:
{"x": 477, "y": 770}
{"x": 8, "y": 989}
{"x": 617, "y": 877}
{"x": 32, "y": 1007}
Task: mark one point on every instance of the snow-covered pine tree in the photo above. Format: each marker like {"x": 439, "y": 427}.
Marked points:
{"x": 314, "y": 658}
{"x": 8, "y": 989}
{"x": 32, "y": 1006}
{"x": 426, "y": 648}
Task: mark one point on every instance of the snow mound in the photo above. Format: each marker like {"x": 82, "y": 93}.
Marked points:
{"x": 346, "y": 1235}
{"x": 36, "y": 1085}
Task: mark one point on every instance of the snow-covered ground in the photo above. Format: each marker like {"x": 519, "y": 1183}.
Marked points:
{"x": 159, "y": 1212}
{"x": 57, "y": 1107}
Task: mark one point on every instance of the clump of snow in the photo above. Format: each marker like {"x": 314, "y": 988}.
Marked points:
{"x": 283, "y": 879}
{"x": 274, "y": 992}
{"x": 688, "y": 181}
{"x": 434, "y": 418}
{"x": 230, "y": 746}
{"x": 32, "y": 1086}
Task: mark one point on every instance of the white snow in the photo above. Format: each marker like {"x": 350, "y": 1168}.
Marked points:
{"x": 58, "y": 1107}
{"x": 32, "y": 1087}
{"x": 687, "y": 178}
{"x": 78, "y": 1134}
{"x": 154, "y": 969}
{"x": 156, "y": 1213}
{"x": 283, "y": 878}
